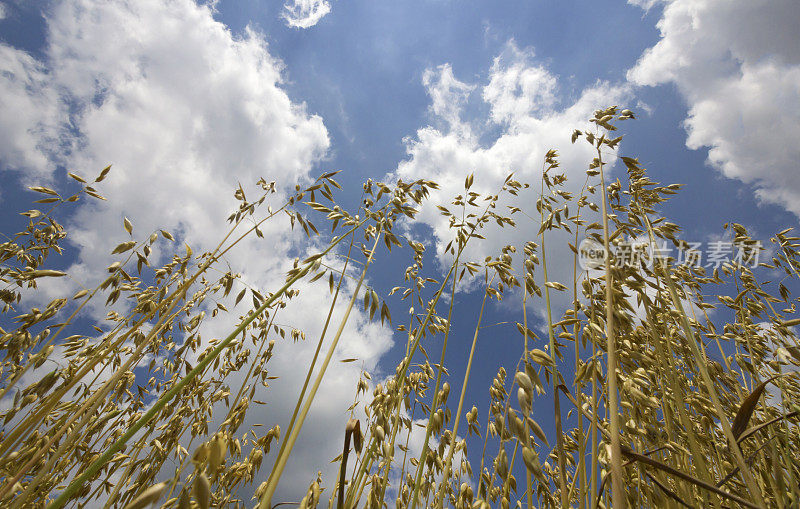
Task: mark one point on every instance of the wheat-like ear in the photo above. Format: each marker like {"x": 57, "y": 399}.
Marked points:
{"x": 680, "y": 387}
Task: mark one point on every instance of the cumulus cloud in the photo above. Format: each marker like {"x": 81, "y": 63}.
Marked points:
{"x": 522, "y": 97}
{"x": 31, "y": 116}
{"x": 323, "y": 430}
{"x": 184, "y": 111}
{"x": 305, "y": 13}
{"x": 737, "y": 64}
{"x": 517, "y": 89}
{"x": 448, "y": 96}
{"x": 645, "y": 4}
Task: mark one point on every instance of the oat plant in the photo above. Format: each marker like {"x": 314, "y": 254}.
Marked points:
{"x": 670, "y": 384}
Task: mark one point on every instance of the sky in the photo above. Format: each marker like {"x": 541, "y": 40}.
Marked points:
{"x": 187, "y": 100}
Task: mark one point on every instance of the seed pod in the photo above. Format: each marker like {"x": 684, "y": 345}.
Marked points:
{"x": 523, "y": 381}
{"x": 354, "y": 425}
{"x": 501, "y": 465}
{"x": 388, "y": 450}
{"x": 519, "y": 430}
{"x": 201, "y": 489}
{"x": 498, "y": 422}
{"x": 538, "y": 431}
{"x": 255, "y": 458}
{"x": 541, "y": 357}
{"x": 217, "y": 450}
{"x": 315, "y": 490}
{"x": 581, "y": 372}
{"x": 524, "y": 399}
{"x": 531, "y": 460}
{"x": 438, "y": 419}
{"x": 200, "y": 454}
{"x": 534, "y": 376}
{"x": 260, "y": 490}
{"x": 149, "y": 496}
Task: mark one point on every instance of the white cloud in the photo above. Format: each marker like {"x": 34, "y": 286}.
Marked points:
{"x": 184, "y": 111}
{"x": 518, "y": 89}
{"x": 523, "y": 104}
{"x": 31, "y": 117}
{"x": 3, "y": 11}
{"x": 737, "y": 63}
{"x": 323, "y": 430}
{"x": 645, "y": 4}
{"x": 181, "y": 109}
{"x": 305, "y": 13}
{"x": 448, "y": 96}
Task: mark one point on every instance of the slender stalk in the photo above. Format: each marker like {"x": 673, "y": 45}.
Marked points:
{"x": 125, "y": 475}
{"x": 752, "y": 487}
{"x": 435, "y": 403}
{"x": 507, "y": 480}
{"x": 562, "y": 465}
{"x": 24, "y": 369}
{"x": 184, "y": 461}
{"x": 401, "y": 377}
{"x": 169, "y": 302}
{"x": 402, "y": 380}
{"x": 343, "y": 468}
{"x": 300, "y": 398}
{"x": 86, "y": 411}
{"x": 701, "y": 363}
{"x": 595, "y": 406}
{"x": 581, "y": 438}
{"x": 96, "y": 465}
{"x": 617, "y": 482}
{"x": 266, "y": 498}
{"x": 483, "y": 451}
{"x": 448, "y": 462}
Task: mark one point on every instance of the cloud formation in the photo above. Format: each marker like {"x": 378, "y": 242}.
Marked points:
{"x": 184, "y": 111}
{"x": 737, "y": 64}
{"x": 31, "y": 115}
{"x": 523, "y": 106}
{"x": 645, "y": 4}
{"x": 305, "y": 13}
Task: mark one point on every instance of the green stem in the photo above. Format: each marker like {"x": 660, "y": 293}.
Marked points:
{"x": 562, "y": 470}
{"x": 618, "y": 489}
{"x": 272, "y": 485}
{"x": 752, "y": 487}
{"x": 448, "y": 463}
{"x": 300, "y": 398}
{"x": 428, "y": 427}
{"x": 96, "y": 465}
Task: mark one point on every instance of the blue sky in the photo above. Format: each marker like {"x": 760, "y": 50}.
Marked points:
{"x": 188, "y": 99}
